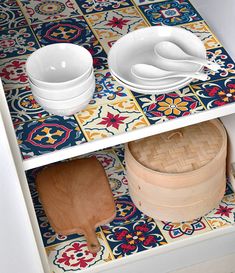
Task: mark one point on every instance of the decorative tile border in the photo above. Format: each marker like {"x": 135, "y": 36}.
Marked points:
{"x": 183, "y": 230}
{"x": 38, "y": 11}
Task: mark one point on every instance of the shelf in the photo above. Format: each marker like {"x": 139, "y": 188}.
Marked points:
{"x": 115, "y": 114}
{"x": 140, "y": 237}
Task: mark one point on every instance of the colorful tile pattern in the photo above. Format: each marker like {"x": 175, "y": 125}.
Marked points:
{"x": 72, "y": 30}
{"x": 134, "y": 237}
{"x": 159, "y": 108}
{"x": 217, "y": 93}
{"x": 47, "y": 135}
{"x": 93, "y": 6}
{"x": 16, "y": 42}
{"x": 11, "y": 15}
{"x": 170, "y": 13}
{"x": 130, "y": 232}
{"x": 175, "y": 231}
{"x": 203, "y": 32}
{"x": 41, "y": 11}
{"x": 22, "y": 105}
{"x": 116, "y": 23}
{"x": 223, "y": 215}
{"x": 113, "y": 109}
{"x": 108, "y": 90}
{"x": 107, "y": 120}
{"x": 12, "y": 72}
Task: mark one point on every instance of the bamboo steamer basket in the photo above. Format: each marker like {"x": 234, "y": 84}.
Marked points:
{"x": 179, "y": 175}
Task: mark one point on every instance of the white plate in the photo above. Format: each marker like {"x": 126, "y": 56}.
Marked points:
{"x": 138, "y": 47}
{"x": 153, "y": 90}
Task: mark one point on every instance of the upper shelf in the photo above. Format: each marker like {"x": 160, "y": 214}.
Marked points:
{"x": 115, "y": 114}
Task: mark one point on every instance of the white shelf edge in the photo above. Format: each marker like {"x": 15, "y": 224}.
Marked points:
{"x": 99, "y": 144}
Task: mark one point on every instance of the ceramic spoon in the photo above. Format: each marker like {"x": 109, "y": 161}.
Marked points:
{"x": 152, "y": 73}
{"x": 171, "y": 51}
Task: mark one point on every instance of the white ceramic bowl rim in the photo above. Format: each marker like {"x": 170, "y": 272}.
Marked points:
{"x": 53, "y": 49}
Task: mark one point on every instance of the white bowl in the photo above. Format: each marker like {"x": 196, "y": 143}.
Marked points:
{"x": 59, "y": 65}
{"x": 138, "y": 47}
{"x": 67, "y": 104}
{"x": 155, "y": 90}
{"x": 63, "y": 94}
{"x": 69, "y": 111}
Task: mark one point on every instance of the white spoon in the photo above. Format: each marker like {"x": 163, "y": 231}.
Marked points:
{"x": 171, "y": 51}
{"x": 152, "y": 73}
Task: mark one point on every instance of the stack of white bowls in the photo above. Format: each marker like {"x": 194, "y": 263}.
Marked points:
{"x": 61, "y": 78}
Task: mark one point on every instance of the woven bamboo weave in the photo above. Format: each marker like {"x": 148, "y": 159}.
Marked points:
{"x": 178, "y": 151}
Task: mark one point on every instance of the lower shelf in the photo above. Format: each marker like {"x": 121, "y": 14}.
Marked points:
{"x": 131, "y": 232}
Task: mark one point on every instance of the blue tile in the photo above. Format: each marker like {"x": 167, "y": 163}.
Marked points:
{"x": 170, "y": 13}
{"x": 17, "y": 42}
{"x": 217, "y": 93}
{"x": 47, "y": 135}
{"x": 134, "y": 237}
{"x": 72, "y": 30}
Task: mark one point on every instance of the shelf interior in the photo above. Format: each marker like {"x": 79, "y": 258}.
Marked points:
{"x": 130, "y": 232}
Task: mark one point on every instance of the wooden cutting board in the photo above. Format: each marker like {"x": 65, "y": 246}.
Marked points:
{"x": 77, "y": 198}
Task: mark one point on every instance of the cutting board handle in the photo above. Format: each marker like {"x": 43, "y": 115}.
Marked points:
{"x": 92, "y": 241}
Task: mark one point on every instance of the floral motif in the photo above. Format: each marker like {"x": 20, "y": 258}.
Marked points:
{"x": 91, "y": 119}
{"x": 170, "y": 13}
{"x": 73, "y": 30}
{"x": 11, "y": 15}
{"x": 224, "y": 214}
{"x": 75, "y": 256}
{"x": 113, "y": 121}
{"x": 136, "y": 237}
{"x": 224, "y": 211}
{"x": 41, "y": 11}
{"x": 159, "y": 108}
{"x": 115, "y": 23}
{"x": 91, "y": 6}
{"x": 12, "y": 72}
{"x": 172, "y": 106}
{"x": 17, "y": 42}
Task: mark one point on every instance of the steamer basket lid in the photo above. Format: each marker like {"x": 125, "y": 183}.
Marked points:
{"x": 181, "y": 150}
